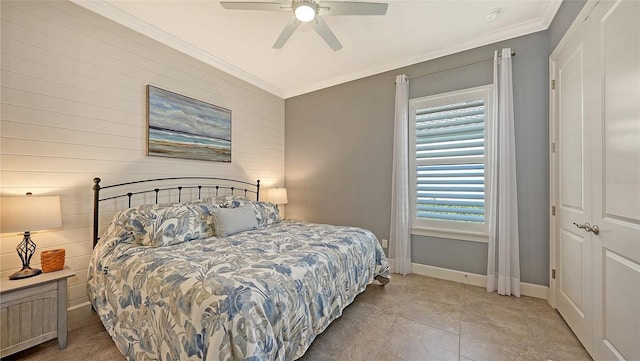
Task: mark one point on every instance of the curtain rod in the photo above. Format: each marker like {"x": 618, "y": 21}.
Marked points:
{"x": 513, "y": 53}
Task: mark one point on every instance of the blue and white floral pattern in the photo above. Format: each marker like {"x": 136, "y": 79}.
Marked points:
{"x": 166, "y": 224}
{"x": 263, "y": 294}
{"x": 266, "y": 213}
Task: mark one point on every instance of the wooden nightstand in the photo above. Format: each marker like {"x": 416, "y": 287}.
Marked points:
{"x": 33, "y": 310}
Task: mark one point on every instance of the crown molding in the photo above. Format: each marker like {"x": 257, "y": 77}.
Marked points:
{"x": 549, "y": 10}
{"x": 121, "y": 17}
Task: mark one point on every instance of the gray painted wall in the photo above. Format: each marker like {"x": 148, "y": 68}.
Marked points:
{"x": 530, "y": 74}
{"x": 338, "y": 154}
{"x": 563, "y": 19}
{"x": 338, "y": 151}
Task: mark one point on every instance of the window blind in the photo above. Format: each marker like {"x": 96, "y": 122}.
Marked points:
{"x": 450, "y": 149}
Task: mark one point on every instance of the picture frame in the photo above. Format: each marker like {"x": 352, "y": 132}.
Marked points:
{"x": 182, "y": 127}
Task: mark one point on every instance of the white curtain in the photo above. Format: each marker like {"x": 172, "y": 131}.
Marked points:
{"x": 503, "y": 269}
{"x": 400, "y": 234}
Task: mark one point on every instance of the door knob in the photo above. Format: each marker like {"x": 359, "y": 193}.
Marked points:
{"x": 589, "y": 228}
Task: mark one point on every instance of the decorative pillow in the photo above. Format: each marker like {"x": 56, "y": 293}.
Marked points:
{"x": 228, "y": 221}
{"x": 203, "y": 213}
{"x": 136, "y": 220}
{"x": 166, "y": 224}
{"x": 266, "y": 213}
{"x": 207, "y": 206}
{"x": 226, "y": 198}
{"x": 233, "y": 203}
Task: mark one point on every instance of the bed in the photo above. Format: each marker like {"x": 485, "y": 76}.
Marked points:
{"x": 220, "y": 276}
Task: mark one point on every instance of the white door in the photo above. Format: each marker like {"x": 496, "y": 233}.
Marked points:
{"x": 573, "y": 187}
{"x": 616, "y": 184}
{"x": 596, "y": 124}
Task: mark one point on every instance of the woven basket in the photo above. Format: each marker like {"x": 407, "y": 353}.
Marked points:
{"x": 52, "y": 260}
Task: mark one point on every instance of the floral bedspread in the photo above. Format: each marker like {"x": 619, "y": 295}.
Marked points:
{"x": 263, "y": 294}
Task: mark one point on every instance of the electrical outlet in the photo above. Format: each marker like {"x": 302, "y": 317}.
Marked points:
{"x": 385, "y": 243}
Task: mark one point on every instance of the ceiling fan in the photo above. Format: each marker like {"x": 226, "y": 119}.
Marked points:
{"x": 309, "y": 11}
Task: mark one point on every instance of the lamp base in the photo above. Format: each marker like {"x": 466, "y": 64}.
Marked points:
{"x": 25, "y": 273}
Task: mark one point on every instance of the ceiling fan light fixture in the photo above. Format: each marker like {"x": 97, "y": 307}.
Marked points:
{"x": 305, "y": 11}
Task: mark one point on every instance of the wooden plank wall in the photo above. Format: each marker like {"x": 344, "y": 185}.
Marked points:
{"x": 73, "y": 108}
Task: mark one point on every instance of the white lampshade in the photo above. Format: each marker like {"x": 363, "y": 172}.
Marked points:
{"x": 278, "y": 195}
{"x": 28, "y": 213}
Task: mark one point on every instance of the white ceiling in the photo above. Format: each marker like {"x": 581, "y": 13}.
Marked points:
{"x": 239, "y": 42}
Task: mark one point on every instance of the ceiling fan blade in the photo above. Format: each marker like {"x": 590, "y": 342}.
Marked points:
{"x": 233, "y": 5}
{"x": 286, "y": 33}
{"x": 323, "y": 30}
{"x": 351, "y": 8}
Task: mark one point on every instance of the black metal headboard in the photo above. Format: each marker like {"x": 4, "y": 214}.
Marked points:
{"x": 200, "y": 183}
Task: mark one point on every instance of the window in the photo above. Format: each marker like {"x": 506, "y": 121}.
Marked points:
{"x": 449, "y": 157}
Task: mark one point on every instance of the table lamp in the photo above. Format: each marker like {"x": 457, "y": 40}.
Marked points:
{"x": 278, "y": 196}
{"x": 27, "y": 214}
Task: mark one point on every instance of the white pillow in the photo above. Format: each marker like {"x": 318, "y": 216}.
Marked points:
{"x": 228, "y": 221}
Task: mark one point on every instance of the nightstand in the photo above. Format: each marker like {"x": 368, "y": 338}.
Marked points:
{"x": 33, "y": 310}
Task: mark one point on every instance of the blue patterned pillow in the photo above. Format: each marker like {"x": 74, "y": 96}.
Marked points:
{"x": 266, "y": 213}
{"x": 135, "y": 221}
{"x": 227, "y": 198}
{"x": 166, "y": 224}
{"x": 174, "y": 225}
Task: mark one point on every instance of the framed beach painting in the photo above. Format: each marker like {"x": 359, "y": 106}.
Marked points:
{"x": 182, "y": 127}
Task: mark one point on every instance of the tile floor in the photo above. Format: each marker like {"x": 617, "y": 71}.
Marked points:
{"x": 413, "y": 318}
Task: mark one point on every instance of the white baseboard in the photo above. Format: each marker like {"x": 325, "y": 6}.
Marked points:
{"x": 534, "y": 290}
{"x": 526, "y": 289}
